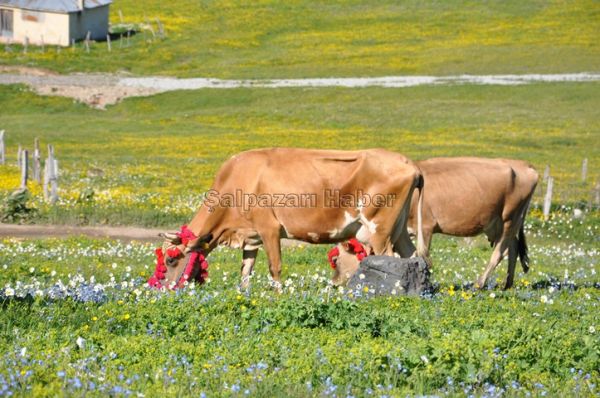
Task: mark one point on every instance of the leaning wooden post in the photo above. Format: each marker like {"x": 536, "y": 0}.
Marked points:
{"x": 36, "y": 161}
{"x": 2, "y": 148}
{"x": 24, "y": 168}
{"x": 597, "y": 194}
{"x": 584, "y": 168}
{"x": 108, "y": 43}
{"x": 161, "y": 29}
{"x": 548, "y": 198}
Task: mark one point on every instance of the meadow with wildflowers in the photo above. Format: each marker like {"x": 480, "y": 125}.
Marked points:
{"x": 147, "y": 161}
{"x": 78, "y": 319}
{"x": 270, "y": 39}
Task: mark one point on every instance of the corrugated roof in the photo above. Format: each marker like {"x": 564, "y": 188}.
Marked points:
{"x": 53, "y": 5}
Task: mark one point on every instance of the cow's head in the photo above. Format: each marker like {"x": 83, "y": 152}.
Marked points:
{"x": 345, "y": 259}
{"x": 180, "y": 260}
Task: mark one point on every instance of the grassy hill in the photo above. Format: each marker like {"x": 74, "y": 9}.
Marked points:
{"x": 156, "y": 155}
{"x": 268, "y": 39}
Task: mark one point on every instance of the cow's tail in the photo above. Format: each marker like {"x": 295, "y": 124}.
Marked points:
{"x": 421, "y": 249}
{"x": 522, "y": 248}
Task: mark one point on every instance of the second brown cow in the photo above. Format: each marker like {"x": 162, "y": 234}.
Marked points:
{"x": 468, "y": 196}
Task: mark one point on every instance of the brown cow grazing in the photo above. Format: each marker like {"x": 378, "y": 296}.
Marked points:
{"x": 467, "y": 197}
{"x": 317, "y": 196}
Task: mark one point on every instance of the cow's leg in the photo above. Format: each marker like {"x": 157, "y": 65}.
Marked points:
{"x": 387, "y": 225}
{"x": 272, "y": 246}
{"x": 248, "y": 260}
{"x": 512, "y": 262}
{"x": 497, "y": 256}
{"x": 404, "y": 246}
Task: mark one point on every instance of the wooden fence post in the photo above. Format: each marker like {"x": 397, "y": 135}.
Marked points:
{"x": 19, "y": 153}
{"x": 584, "y": 169}
{"x": 50, "y": 177}
{"x": 2, "y": 148}
{"x": 36, "y": 161}
{"x": 87, "y": 41}
{"x": 161, "y": 29}
{"x": 54, "y": 182}
{"x": 597, "y": 194}
{"x": 108, "y": 43}
{"x": 546, "y": 173}
{"x": 25, "y": 44}
{"x": 548, "y": 198}
{"x": 120, "y": 15}
{"x": 24, "y": 168}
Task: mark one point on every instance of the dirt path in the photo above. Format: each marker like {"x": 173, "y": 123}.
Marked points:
{"x": 119, "y": 233}
{"x": 99, "y": 90}
{"x": 64, "y": 231}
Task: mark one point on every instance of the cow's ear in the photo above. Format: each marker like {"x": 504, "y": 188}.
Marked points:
{"x": 202, "y": 242}
{"x": 346, "y": 247}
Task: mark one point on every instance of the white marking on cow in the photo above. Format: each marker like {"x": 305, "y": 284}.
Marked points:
{"x": 372, "y": 226}
{"x": 334, "y": 233}
{"x": 349, "y": 219}
{"x": 363, "y": 234}
{"x": 313, "y": 236}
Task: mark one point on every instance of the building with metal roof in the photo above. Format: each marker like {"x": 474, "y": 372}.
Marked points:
{"x": 58, "y": 22}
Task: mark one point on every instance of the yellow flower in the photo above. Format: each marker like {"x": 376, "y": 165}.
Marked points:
{"x": 94, "y": 318}
{"x": 366, "y": 289}
{"x": 126, "y": 317}
{"x": 451, "y": 290}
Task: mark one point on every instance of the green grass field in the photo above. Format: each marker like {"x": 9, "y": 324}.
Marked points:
{"x": 76, "y": 318}
{"x": 157, "y": 155}
{"x": 268, "y": 39}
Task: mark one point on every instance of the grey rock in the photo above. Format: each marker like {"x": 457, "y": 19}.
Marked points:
{"x": 386, "y": 275}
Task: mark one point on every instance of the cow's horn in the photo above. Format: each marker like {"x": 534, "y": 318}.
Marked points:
{"x": 170, "y": 236}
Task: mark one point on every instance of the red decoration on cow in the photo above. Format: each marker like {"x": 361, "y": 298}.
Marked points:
{"x": 196, "y": 267}
{"x": 354, "y": 246}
